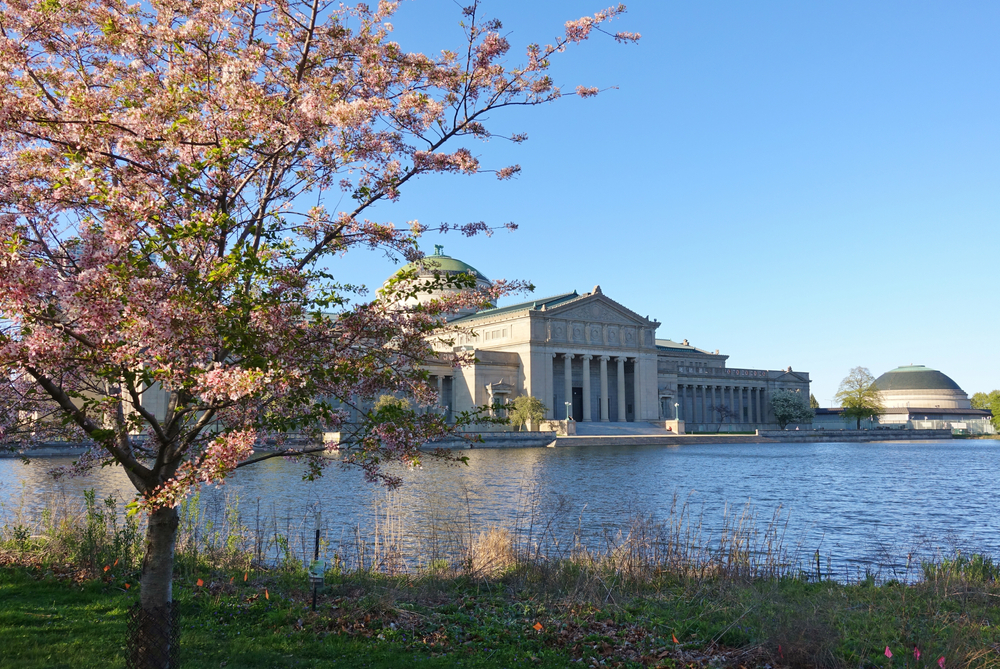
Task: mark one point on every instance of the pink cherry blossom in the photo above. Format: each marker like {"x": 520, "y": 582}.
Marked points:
{"x": 156, "y": 161}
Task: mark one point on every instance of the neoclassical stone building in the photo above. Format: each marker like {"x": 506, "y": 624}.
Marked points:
{"x": 597, "y": 359}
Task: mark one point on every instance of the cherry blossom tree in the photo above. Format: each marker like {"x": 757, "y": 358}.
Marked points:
{"x": 790, "y": 407}
{"x": 164, "y": 173}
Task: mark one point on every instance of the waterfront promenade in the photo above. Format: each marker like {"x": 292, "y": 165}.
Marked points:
{"x": 650, "y": 438}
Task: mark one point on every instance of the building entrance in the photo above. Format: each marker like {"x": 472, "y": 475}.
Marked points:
{"x": 578, "y": 404}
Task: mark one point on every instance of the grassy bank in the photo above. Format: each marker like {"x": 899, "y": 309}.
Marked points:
{"x": 655, "y": 597}
{"x": 553, "y": 616}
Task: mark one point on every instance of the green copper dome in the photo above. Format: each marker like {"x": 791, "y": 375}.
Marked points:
{"x": 915, "y": 377}
{"x": 439, "y": 262}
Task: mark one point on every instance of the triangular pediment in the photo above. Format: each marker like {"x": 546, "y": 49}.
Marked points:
{"x": 792, "y": 376}
{"x": 599, "y": 308}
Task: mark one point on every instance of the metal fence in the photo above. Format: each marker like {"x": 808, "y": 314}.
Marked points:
{"x": 977, "y": 427}
{"x": 153, "y": 638}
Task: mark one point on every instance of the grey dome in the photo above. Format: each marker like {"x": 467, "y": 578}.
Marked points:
{"x": 915, "y": 377}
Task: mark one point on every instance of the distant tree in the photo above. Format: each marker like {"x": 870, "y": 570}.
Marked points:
{"x": 988, "y": 402}
{"x": 859, "y": 397}
{"x": 790, "y": 407}
{"x": 390, "y": 405}
{"x": 813, "y": 402}
{"x": 525, "y": 409}
{"x": 723, "y": 411}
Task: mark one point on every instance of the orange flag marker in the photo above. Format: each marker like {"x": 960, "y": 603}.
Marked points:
{"x": 200, "y": 582}
{"x": 266, "y": 596}
{"x": 674, "y": 637}
{"x": 538, "y": 626}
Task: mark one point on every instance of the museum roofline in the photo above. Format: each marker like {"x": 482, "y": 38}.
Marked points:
{"x": 438, "y": 262}
{"x": 547, "y": 302}
{"x": 915, "y": 377}
{"x": 670, "y": 345}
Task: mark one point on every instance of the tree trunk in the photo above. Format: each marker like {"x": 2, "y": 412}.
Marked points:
{"x": 153, "y": 646}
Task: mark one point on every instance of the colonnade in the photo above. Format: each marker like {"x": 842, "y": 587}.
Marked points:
{"x": 604, "y": 396}
{"x": 722, "y": 403}
{"x": 445, "y": 404}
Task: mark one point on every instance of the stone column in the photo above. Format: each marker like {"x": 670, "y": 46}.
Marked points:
{"x": 550, "y": 390}
{"x": 760, "y": 417}
{"x": 586, "y": 387}
{"x": 636, "y": 390}
{"x": 568, "y": 372}
{"x": 709, "y": 412}
{"x": 440, "y": 401}
{"x": 621, "y": 389}
{"x": 689, "y": 406}
{"x": 604, "y": 389}
{"x": 739, "y": 402}
{"x": 730, "y": 403}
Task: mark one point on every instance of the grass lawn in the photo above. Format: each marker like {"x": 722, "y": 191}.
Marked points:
{"x": 48, "y": 621}
{"x": 51, "y": 619}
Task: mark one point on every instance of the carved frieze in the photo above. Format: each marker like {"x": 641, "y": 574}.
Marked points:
{"x": 559, "y": 331}
{"x": 598, "y": 312}
{"x": 578, "y": 332}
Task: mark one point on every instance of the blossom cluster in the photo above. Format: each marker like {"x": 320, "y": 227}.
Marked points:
{"x": 154, "y": 159}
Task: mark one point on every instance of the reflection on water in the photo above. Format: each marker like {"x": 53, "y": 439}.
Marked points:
{"x": 855, "y": 503}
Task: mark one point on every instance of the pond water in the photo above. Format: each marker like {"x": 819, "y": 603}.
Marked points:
{"x": 862, "y": 506}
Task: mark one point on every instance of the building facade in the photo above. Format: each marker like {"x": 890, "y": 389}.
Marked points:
{"x": 917, "y": 397}
{"x": 592, "y": 358}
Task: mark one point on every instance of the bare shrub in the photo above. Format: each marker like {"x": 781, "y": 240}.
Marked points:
{"x": 491, "y": 553}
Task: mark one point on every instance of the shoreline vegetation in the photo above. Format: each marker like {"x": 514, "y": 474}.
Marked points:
{"x": 656, "y": 594}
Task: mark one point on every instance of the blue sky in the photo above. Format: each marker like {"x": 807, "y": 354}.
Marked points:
{"x": 804, "y": 184}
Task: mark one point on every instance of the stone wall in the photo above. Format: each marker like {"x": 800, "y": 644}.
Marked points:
{"x": 496, "y": 440}
{"x": 853, "y": 435}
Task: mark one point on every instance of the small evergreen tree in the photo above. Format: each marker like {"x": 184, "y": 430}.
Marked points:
{"x": 813, "y": 402}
